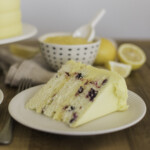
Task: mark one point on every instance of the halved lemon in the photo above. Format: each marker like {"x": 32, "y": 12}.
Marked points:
{"x": 132, "y": 55}
{"x": 23, "y": 51}
{"x": 123, "y": 69}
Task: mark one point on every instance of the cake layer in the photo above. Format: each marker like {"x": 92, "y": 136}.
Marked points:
{"x": 10, "y": 31}
{"x": 58, "y": 100}
{"x": 9, "y": 18}
{"x": 46, "y": 94}
{"x": 9, "y": 5}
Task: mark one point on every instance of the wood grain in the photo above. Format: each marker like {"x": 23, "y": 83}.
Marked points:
{"x": 133, "y": 138}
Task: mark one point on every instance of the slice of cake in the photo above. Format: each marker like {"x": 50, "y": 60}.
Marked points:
{"x": 10, "y": 18}
{"x": 80, "y": 93}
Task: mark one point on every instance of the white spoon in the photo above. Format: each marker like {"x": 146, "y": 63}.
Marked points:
{"x": 87, "y": 31}
{"x": 1, "y": 96}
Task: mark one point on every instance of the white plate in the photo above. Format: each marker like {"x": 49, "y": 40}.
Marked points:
{"x": 1, "y": 96}
{"x": 28, "y": 31}
{"x": 110, "y": 123}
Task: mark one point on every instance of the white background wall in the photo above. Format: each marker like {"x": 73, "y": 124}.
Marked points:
{"x": 125, "y": 19}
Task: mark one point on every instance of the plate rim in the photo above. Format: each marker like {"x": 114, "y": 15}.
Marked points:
{"x": 21, "y": 37}
{"x": 79, "y": 133}
{"x": 1, "y": 96}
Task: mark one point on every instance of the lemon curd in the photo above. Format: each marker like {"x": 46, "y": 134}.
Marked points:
{"x": 66, "y": 40}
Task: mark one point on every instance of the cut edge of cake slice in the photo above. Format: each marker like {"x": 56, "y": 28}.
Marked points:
{"x": 45, "y": 95}
{"x": 53, "y": 108}
{"x": 73, "y": 83}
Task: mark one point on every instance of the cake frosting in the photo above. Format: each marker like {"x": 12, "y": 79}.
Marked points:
{"x": 10, "y": 18}
{"x": 80, "y": 93}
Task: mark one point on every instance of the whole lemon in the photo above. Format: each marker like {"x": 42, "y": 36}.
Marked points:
{"x": 107, "y": 52}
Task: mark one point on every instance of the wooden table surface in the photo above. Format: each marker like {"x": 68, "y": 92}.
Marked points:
{"x": 136, "y": 137}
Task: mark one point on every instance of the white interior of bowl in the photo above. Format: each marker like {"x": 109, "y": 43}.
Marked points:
{"x": 43, "y": 37}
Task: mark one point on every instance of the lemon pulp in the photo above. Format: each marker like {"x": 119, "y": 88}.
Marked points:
{"x": 123, "y": 69}
{"x": 132, "y": 55}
